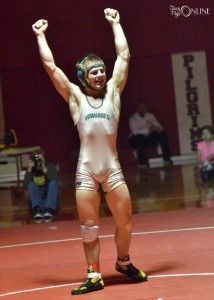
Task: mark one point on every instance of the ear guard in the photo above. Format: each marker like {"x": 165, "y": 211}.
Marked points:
{"x": 81, "y": 75}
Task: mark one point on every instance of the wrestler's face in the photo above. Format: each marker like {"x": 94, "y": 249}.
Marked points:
{"x": 97, "y": 78}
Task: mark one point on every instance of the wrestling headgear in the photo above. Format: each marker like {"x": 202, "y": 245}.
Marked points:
{"x": 82, "y": 67}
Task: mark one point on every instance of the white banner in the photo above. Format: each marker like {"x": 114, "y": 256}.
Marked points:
{"x": 192, "y": 97}
{"x": 2, "y": 125}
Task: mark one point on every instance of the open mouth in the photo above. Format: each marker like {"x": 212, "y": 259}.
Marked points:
{"x": 99, "y": 82}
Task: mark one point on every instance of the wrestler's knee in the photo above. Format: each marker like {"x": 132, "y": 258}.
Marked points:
{"x": 124, "y": 223}
{"x": 89, "y": 233}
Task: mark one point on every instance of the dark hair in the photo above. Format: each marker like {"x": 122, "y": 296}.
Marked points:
{"x": 209, "y": 128}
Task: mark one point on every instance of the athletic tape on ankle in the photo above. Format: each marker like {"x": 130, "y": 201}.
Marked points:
{"x": 94, "y": 275}
{"x": 89, "y": 233}
{"x": 123, "y": 262}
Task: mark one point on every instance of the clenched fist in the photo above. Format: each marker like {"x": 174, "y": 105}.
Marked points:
{"x": 40, "y": 26}
{"x": 112, "y": 15}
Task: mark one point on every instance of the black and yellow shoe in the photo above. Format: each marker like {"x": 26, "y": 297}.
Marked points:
{"x": 91, "y": 284}
{"x": 134, "y": 273}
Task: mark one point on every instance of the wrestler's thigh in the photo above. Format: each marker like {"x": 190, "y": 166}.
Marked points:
{"x": 119, "y": 203}
{"x": 88, "y": 203}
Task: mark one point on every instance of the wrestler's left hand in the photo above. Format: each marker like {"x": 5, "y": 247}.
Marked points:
{"x": 112, "y": 15}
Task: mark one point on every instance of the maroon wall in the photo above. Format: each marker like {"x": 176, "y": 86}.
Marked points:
{"x": 32, "y": 106}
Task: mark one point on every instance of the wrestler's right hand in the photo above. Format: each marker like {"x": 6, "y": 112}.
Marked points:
{"x": 40, "y": 26}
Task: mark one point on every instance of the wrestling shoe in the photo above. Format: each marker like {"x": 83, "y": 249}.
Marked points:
{"x": 93, "y": 283}
{"x": 130, "y": 270}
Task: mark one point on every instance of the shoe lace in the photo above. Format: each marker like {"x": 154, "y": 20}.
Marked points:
{"x": 84, "y": 283}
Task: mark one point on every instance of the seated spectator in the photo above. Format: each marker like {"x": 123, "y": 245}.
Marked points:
{"x": 41, "y": 182}
{"x": 146, "y": 131}
{"x": 205, "y": 153}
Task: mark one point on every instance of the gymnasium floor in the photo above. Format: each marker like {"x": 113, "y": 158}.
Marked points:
{"x": 173, "y": 230}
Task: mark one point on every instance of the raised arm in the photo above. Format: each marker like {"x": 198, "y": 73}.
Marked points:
{"x": 120, "y": 72}
{"x": 59, "y": 79}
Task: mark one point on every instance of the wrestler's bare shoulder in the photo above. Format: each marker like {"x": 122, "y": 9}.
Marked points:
{"x": 75, "y": 93}
{"x": 111, "y": 89}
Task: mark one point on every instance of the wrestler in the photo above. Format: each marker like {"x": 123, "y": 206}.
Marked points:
{"x": 95, "y": 111}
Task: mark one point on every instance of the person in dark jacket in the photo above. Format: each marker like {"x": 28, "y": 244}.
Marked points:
{"x": 41, "y": 182}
